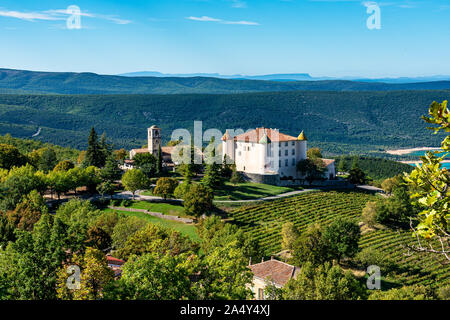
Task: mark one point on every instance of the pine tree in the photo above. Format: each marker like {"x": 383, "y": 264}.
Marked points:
{"x": 212, "y": 178}
{"x": 342, "y": 165}
{"x": 95, "y": 155}
{"x": 111, "y": 171}
{"x": 355, "y": 163}
{"x": 104, "y": 147}
{"x": 236, "y": 177}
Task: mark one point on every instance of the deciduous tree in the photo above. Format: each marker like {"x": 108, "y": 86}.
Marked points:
{"x": 198, "y": 200}
{"x": 342, "y": 237}
{"x": 134, "y": 180}
{"x": 165, "y": 187}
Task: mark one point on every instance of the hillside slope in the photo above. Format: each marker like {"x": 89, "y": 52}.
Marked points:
{"x": 90, "y": 83}
{"x": 338, "y": 122}
{"x": 263, "y": 222}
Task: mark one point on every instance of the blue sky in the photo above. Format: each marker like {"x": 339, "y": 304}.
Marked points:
{"x": 320, "y": 37}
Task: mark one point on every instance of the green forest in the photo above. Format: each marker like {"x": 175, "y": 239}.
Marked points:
{"x": 375, "y": 168}
{"x": 337, "y": 122}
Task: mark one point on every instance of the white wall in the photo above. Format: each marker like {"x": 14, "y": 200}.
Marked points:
{"x": 249, "y": 157}
{"x": 253, "y": 158}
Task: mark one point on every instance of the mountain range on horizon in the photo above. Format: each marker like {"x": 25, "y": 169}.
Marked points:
{"x": 288, "y": 77}
{"x": 33, "y": 82}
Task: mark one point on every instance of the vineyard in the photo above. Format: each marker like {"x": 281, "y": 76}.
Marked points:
{"x": 264, "y": 221}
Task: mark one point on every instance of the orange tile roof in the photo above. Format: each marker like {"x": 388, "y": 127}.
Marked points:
{"x": 279, "y": 272}
{"x": 112, "y": 260}
{"x": 143, "y": 150}
{"x": 256, "y": 135}
{"x": 167, "y": 150}
{"x": 327, "y": 162}
{"x": 226, "y": 136}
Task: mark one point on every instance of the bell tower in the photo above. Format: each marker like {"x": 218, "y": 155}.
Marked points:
{"x": 154, "y": 140}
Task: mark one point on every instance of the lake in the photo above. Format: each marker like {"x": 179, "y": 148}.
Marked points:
{"x": 423, "y": 152}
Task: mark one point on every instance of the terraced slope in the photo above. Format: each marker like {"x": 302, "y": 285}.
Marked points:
{"x": 264, "y": 222}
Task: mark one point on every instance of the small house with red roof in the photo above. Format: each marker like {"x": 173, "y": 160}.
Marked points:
{"x": 273, "y": 272}
{"x": 116, "y": 265}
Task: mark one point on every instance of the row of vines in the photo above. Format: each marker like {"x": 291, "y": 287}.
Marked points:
{"x": 264, "y": 222}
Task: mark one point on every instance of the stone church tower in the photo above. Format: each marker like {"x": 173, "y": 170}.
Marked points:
{"x": 154, "y": 140}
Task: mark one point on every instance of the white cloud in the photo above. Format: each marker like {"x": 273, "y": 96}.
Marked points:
{"x": 210, "y": 19}
{"x": 29, "y": 16}
{"x": 58, "y": 14}
{"x": 204, "y": 18}
{"x": 238, "y": 4}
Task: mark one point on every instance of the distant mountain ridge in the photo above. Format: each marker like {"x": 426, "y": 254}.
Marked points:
{"x": 274, "y": 77}
{"x": 19, "y": 81}
{"x": 288, "y": 77}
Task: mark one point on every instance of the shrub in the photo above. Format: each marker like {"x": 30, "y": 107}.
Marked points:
{"x": 415, "y": 292}
{"x": 126, "y": 203}
{"x": 372, "y": 257}
{"x": 369, "y": 214}
{"x": 444, "y": 293}
{"x": 165, "y": 187}
{"x": 181, "y": 190}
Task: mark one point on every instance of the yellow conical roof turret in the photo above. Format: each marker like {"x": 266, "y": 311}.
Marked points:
{"x": 226, "y": 136}
{"x": 302, "y": 136}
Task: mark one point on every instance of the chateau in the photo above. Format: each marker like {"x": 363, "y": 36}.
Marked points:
{"x": 266, "y": 155}
{"x": 263, "y": 155}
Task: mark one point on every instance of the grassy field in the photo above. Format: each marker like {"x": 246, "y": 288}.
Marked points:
{"x": 248, "y": 190}
{"x": 264, "y": 221}
{"x": 164, "y": 208}
{"x": 187, "y": 229}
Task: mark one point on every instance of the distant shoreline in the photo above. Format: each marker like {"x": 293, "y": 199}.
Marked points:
{"x": 419, "y": 161}
{"x": 401, "y": 152}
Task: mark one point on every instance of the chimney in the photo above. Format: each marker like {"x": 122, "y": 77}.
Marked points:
{"x": 262, "y": 260}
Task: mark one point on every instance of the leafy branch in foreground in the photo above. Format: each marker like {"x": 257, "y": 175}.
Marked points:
{"x": 430, "y": 191}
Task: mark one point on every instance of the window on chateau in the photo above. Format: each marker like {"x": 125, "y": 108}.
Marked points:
{"x": 286, "y": 162}
{"x": 293, "y": 143}
{"x": 286, "y": 144}
{"x": 286, "y": 152}
{"x": 279, "y": 163}
{"x": 293, "y": 161}
{"x": 293, "y": 152}
{"x": 279, "y": 153}
{"x": 239, "y": 153}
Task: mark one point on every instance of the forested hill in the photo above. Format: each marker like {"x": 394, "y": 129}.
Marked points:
{"x": 337, "y": 122}
{"x": 18, "y": 81}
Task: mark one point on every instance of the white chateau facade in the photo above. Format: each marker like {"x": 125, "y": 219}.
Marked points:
{"x": 267, "y": 152}
{"x": 264, "y": 155}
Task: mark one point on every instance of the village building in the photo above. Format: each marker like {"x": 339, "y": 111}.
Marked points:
{"x": 115, "y": 265}
{"x": 266, "y": 155}
{"x": 272, "y": 272}
{"x": 154, "y": 142}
